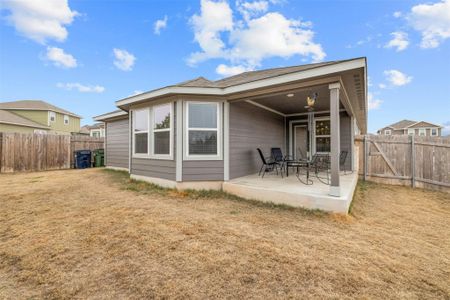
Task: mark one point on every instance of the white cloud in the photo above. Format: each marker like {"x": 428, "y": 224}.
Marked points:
{"x": 214, "y": 18}
{"x": 251, "y": 39}
{"x": 382, "y": 86}
{"x": 123, "y": 59}
{"x": 40, "y": 20}
{"x": 60, "y": 58}
{"x": 136, "y": 92}
{"x": 160, "y": 24}
{"x": 399, "y": 41}
{"x": 225, "y": 70}
{"x": 250, "y": 9}
{"x": 273, "y": 35}
{"x": 397, "y": 78}
{"x": 373, "y": 103}
{"x": 397, "y": 14}
{"x": 432, "y": 21}
{"x": 81, "y": 88}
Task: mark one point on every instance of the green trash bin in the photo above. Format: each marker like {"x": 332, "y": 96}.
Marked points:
{"x": 99, "y": 158}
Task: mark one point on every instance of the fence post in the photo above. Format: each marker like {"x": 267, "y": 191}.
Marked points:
{"x": 365, "y": 158}
{"x": 413, "y": 163}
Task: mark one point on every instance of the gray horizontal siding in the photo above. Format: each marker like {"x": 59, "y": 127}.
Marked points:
{"x": 117, "y": 141}
{"x": 346, "y": 139}
{"x": 252, "y": 127}
{"x": 202, "y": 170}
{"x": 158, "y": 168}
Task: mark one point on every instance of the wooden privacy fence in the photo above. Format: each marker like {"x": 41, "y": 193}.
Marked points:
{"x": 38, "y": 152}
{"x": 408, "y": 160}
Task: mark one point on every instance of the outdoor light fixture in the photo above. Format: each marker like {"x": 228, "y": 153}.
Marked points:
{"x": 290, "y": 95}
{"x": 310, "y": 101}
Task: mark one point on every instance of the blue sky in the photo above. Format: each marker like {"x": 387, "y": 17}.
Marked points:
{"x": 84, "y": 55}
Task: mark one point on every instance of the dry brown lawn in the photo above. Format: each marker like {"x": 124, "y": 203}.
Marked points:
{"x": 95, "y": 234}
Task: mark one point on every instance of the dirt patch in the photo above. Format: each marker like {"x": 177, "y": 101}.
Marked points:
{"x": 95, "y": 234}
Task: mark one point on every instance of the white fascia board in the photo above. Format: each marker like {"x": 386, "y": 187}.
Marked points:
{"x": 282, "y": 79}
{"x": 110, "y": 115}
{"x": 170, "y": 90}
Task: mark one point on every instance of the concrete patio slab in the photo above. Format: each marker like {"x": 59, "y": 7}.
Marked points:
{"x": 290, "y": 191}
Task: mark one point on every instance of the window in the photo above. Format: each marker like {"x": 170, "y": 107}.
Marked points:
{"x": 422, "y": 132}
{"x": 387, "y": 132}
{"x": 52, "y": 116}
{"x": 434, "y": 132}
{"x": 153, "y": 132}
{"x": 203, "y": 134}
{"x": 66, "y": 120}
{"x": 323, "y": 139}
{"x": 411, "y": 131}
{"x": 95, "y": 134}
{"x": 161, "y": 129}
{"x": 140, "y": 131}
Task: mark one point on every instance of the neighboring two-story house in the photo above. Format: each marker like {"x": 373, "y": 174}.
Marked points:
{"x": 96, "y": 130}
{"x": 408, "y": 127}
{"x": 35, "y": 116}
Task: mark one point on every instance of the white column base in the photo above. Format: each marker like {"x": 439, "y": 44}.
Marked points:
{"x": 335, "y": 191}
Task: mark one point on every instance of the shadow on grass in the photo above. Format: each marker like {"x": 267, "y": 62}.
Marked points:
{"x": 147, "y": 188}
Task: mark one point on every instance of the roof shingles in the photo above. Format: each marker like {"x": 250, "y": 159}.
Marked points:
{"x": 34, "y": 105}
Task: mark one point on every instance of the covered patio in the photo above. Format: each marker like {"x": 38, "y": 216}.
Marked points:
{"x": 301, "y": 129}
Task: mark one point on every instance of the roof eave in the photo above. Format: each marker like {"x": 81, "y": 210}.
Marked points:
{"x": 103, "y": 117}
{"x": 267, "y": 82}
{"x": 26, "y": 125}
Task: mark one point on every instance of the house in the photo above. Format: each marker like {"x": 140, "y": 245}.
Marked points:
{"x": 202, "y": 134}
{"x": 408, "y": 127}
{"x": 35, "y": 116}
{"x": 96, "y": 130}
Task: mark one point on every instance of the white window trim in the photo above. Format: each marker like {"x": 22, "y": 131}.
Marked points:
{"x": 50, "y": 113}
{"x": 318, "y": 136}
{"x": 66, "y": 117}
{"x": 411, "y": 131}
{"x": 153, "y": 130}
{"x": 387, "y": 132}
{"x": 422, "y": 132}
{"x": 150, "y": 138}
{"x": 141, "y": 155}
{"x": 435, "y": 130}
{"x": 218, "y": 156}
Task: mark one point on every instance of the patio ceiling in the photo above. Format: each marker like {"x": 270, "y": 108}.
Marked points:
{"x": 283, "y": 104}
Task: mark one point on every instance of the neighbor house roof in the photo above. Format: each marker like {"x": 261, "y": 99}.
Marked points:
{"x": 404, "y": 124}
{"x": 34, "y": 105}
{"x": 7, "y": 117}
{"x": 248, "y": 80}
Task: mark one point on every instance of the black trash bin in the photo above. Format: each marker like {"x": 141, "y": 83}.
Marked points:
{"x": 82, "y": 159}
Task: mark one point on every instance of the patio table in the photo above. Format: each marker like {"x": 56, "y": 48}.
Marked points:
{"x": 297, "y": 163}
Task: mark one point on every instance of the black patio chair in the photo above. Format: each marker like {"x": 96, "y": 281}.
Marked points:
{"x": 323, "y": 165}
{"x": 319, "y": 164}
{"x": 277, "y": 156}
{"x": 267, "y": 166}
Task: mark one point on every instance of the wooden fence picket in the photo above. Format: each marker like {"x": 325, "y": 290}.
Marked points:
{"x": 38, "y": 152}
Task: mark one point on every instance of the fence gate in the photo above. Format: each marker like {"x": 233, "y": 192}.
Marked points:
{"x": 408, "y": 160}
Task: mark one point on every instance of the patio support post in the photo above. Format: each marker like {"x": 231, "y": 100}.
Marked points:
{"x": 335, "y": 150}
